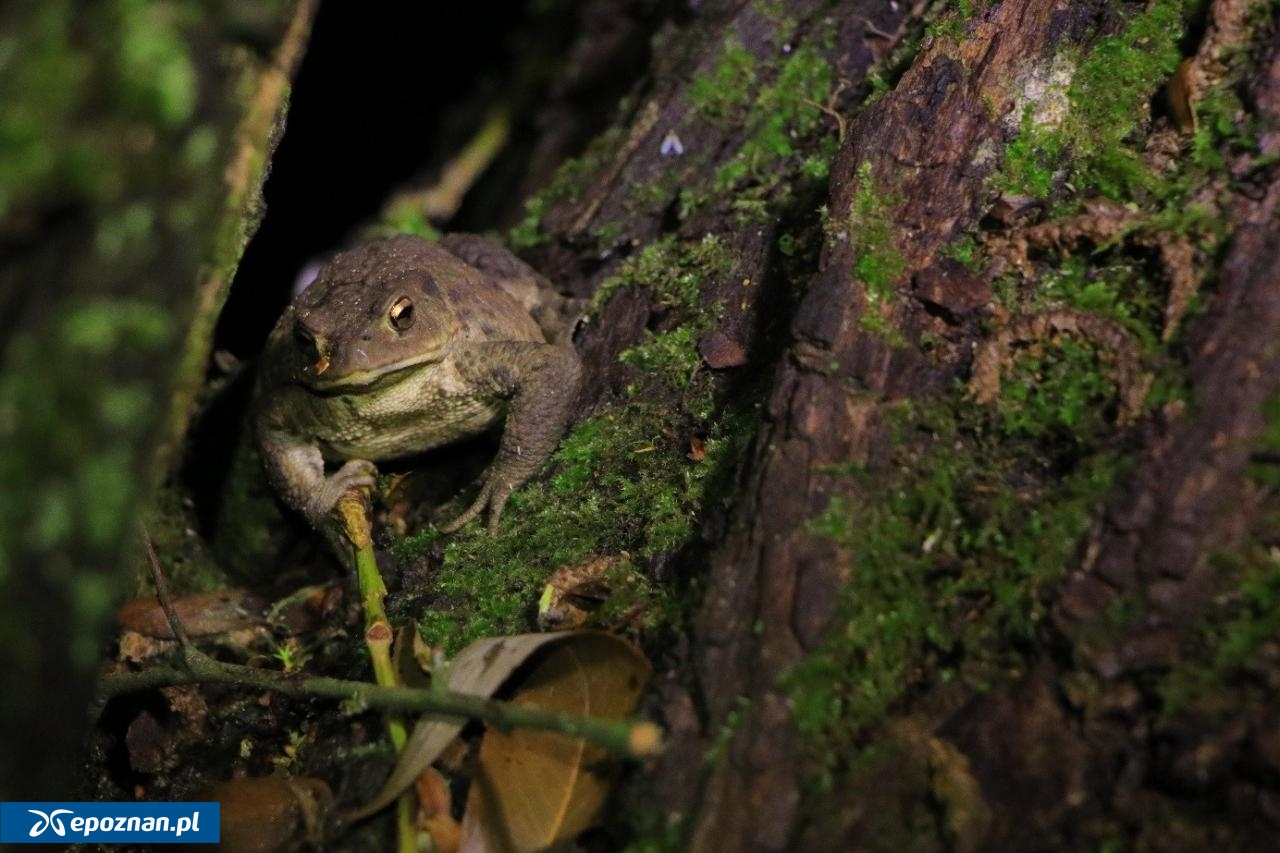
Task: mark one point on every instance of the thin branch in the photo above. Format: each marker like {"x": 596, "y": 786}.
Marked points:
{"x": 619, "y": 737}
{"x": 162, "y": 591}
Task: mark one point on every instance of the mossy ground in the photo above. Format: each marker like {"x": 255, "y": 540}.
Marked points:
{"x": 637, "y": 477}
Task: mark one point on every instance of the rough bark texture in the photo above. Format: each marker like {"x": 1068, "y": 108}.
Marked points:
{"x": 1062, "y": 753}
{"x": 923, "y": 142}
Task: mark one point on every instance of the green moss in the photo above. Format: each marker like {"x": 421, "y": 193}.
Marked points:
{"x": 675, "y": 273}
{"x": 725, "y": 92}
{"x": 944, "y": 22}
{"x": 1110, "y": 90}
{"x": 622, "y": 482}
{"x": 528, "y": 233}
{"x": 783, "y": 117}
{"x": 405, "y": 219}
{"x": 1058, "y": 390}
{"x": 950, "y": 549}
{"x": 1032, "y": 159}
{"x": 966, "y": 251}
{"x": 877, "y": 261}
{"x": 785, "y": 138}
{"x": 1223, "y": 668}
{"x": 673, "y": 354}
{"x": 625, "y": 480}
{"x": 569, "y": 180}
{"x": 1108, "y": 95}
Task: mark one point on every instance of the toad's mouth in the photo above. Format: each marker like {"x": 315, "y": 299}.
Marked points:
{"x": 333, "y": 381}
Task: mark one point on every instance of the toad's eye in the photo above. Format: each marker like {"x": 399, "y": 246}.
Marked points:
{"x": 402, "y": 314}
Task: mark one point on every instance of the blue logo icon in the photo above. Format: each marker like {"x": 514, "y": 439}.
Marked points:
{"x": 49, "y": 821}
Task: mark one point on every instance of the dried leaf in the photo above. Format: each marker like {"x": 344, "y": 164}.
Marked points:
{"x": 533, "y": 789}
{"x": 405, "y": 658}
{"x": 478, "y": 670}
{"x": 435, "y": 807}
{"x": 720, "y": 351}
{"x": 572, "y": 592}
{"x": 202, "y": 614}
{"x": 150, "y": 746}
{"x": 271, "y": 813}
{"x": 1180, "y": 91}
{"x": 308, "y": 609}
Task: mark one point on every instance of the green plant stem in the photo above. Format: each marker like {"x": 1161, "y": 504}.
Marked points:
{"x": 354, "y": 510}
{"x": 621, "y": 738}
{"x": 377, "y": 627}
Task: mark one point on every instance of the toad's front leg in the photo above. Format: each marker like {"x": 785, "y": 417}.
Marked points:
{"x": 296, "y": 470}
{"x": 540, "y": 383}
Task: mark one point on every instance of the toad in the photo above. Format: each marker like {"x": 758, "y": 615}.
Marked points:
{"x": 400, "y": 346}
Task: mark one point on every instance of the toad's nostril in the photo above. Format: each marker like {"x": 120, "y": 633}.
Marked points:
{"x": 313, "y": 346}
{"x": 304, "y": 336}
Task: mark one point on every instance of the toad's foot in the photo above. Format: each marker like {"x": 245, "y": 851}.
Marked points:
{"x": 493, "y": 495}
{"x": 322, "y": 503}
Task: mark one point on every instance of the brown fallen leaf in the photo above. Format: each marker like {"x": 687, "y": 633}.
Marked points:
{"x": 573, "y": 591}
{"x": 720, "y": 351}
{"x": 434, "y": 812}
{"x": 533, "y": 789}
{"x": 411, "y": 658}
{"x": 270, "y": 813}
{"x": 479, "y": 670}
{"x": 202, "y": 614}
{"x": 149, "y": 744}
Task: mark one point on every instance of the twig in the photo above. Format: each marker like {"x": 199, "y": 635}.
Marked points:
{"x": 621, "y": 738}
{"x": 162, "y": 590}
{"x": 439, "y": 202}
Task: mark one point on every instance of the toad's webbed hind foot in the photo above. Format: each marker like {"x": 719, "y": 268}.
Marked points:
{"x": 493, "y": 496}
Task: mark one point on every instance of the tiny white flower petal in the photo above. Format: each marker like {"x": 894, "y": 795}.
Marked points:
{"x": 671, "y": 145}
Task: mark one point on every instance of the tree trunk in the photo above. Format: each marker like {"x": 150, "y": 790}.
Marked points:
{"x": 946, "y": 612}
{"x": 134, "y": 142}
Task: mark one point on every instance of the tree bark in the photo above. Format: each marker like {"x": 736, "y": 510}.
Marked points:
{"x": 1066, "y": 750}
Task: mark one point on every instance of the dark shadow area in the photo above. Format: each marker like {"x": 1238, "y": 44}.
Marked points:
{"x": 378, "y": 99}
